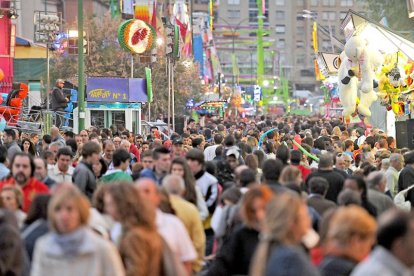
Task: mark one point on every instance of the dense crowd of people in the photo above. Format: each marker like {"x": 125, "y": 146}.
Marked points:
{"x": 287, "y": 196}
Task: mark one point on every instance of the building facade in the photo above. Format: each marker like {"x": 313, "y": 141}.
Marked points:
{"x": 288, "y": 24}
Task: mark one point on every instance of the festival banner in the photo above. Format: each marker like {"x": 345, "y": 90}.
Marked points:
{"x": 116, "y": 90}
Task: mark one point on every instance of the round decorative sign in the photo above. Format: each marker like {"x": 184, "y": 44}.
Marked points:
{"x": 136, "y": 36}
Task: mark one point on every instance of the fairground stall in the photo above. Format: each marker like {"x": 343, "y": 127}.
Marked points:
{"x": 114, "y": 101}
{"x": 375, "y": 75}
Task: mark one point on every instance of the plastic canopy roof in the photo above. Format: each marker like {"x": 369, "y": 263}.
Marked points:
{"x": 379, "y": 37}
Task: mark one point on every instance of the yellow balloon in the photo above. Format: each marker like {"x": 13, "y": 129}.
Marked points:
{"x": 260, "y": 103}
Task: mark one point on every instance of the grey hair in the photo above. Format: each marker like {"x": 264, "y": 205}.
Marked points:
{"x": 57, "y": 143}
{"x": 395, "y": 157}
{"x": 374, "y": 179}
{"x": 173, "y": 184}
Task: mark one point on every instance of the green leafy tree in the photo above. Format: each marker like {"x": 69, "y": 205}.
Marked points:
{"x": 107, "y": 59}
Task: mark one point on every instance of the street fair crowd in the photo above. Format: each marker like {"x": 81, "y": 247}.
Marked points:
{"x": 289, "y": 195}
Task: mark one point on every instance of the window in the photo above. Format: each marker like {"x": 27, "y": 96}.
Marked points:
{"x": 330, "y": 3}
{"x": 314, "y": 3}
{"x": 281, "y": 44}
{"x": 233, "y": 13}
{"x": 253, "y": 4}
{"x": 307, "y": 73}
{"x": 300, "y": 30}
{"x": 282, "y": 59}
{"x": 331, "y": 15}
{"x": 326, "y": 45}
{"x": 299, "y": 16}
{"x": 300, "y": 44}
{"x": 233, "y": 2}
{"x": 280, "y": 29}
{"x": 342, "y": 15}
{"x": 300, "y": 60}
{"x": 280, "y": 15}
{"x": 347, "y": 3}
{"x": 253, "y": 16}
{"x": 280, "y": 2}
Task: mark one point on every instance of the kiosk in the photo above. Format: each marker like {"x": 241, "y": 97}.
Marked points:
{"x": 114, "y": 101}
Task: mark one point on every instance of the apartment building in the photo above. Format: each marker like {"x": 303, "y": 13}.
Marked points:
{"x": 289, "y": 26}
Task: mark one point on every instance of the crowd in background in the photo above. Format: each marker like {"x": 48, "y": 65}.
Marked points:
{"x": 283, "y": 196}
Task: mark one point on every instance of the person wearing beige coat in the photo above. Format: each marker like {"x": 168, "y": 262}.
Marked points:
{"x": 72, "y": 248}
{"x": 95, "y": 256}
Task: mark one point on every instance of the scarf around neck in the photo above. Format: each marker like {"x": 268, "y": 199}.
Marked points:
{"x": 70, "y": 243}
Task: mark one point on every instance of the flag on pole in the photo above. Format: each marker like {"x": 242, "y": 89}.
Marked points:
{"x": 115, "y": 9}
{"x": 154, "y": 15}
{"x": 148, "y": 77}
{"x": 183, "y": 28}
{"x": 211, "y": 15}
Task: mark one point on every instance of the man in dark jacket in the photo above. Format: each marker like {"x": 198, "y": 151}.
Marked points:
{"x": 325, "y": 170}
{"x": 406, "y": 177}
{"x": 318, "y": 187}
{"x": 272, "y": 169}
{"x": 58, "y": 101}
{"x": 83, "y": 176}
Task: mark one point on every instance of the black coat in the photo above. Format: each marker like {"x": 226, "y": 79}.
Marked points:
{"x": 236, "y": 253}
{"x": 405, "y": 180}
{"x": 320, "y": 204}
{"x": 338, "y": 266}
{"x": 335, "y": 180}
{"x": 58, "y": 99}
{"x": 30, "y": 234}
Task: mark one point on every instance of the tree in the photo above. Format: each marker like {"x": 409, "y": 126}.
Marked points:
{"x": 107, "y": 59}
{"x": 395, "y": 12}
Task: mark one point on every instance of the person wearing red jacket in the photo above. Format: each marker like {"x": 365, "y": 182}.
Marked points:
{"x": 22, "y": 174}
{"x": 295, "y": 160}
{"x": 132, "y": 148}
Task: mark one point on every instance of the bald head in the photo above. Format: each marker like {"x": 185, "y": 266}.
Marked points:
{"x": 54, "y": 132}
{"x": 148, "y": 189}
{"x": 125, "y": 144}
{"x": 174, "y": 184}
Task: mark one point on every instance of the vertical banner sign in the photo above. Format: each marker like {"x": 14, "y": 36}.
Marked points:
{"x": 211, "y": 15}
{"x": 115, "y": 9}
{"x": 142, "y": 11}
{"x": 148, "y": 77}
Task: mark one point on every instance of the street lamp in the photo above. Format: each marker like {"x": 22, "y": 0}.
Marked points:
{"x": 233, "y": 29}
{"x": 46, "y": 27}
{"x": 159, "y": 41}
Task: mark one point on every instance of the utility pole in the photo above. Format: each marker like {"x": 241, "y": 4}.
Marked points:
{"x": 219, "y": 84}
{"x": 81, "y": 73}
{"x": 260, "y": 53}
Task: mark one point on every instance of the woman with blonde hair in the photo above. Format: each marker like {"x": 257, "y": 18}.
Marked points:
{"x": 252, "y": 142}
{"x": 140, "y": 244}
{"x": 291, "y": 175}
{"x": 12, "y": 197}
{"x": 349, "y": 239}
{"x": 72, "y": 248}
{"x": 252, "y": 161}
{"x": 279, "y": 251}
{"x": 336, "y": 131}
{"x": 235, "y": 255}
